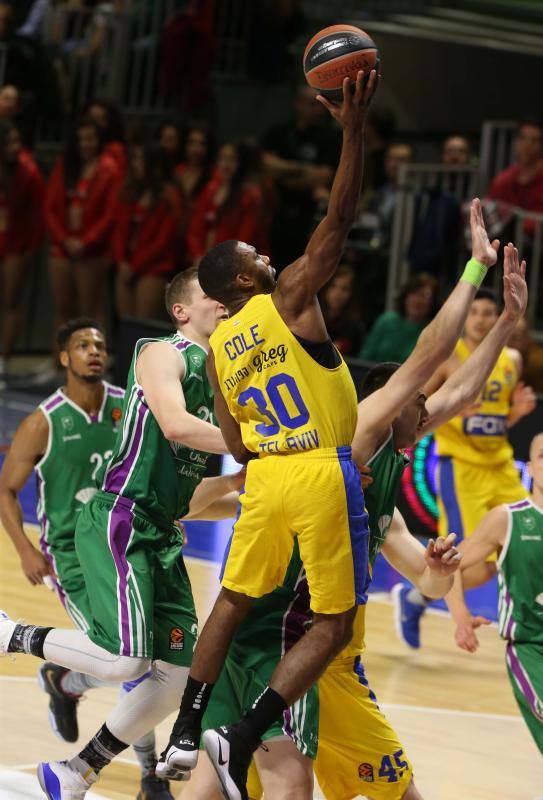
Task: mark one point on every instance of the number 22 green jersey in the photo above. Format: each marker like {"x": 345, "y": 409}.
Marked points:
{"x": 78, "y": 445}
{"x": 158, "y": 475}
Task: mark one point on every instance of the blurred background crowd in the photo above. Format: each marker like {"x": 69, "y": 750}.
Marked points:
{"x": 136, "y": 134}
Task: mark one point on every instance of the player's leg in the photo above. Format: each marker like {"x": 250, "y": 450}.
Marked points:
{"x": 526, "y": 677}
{"x": 359, "y": 752}
{"x": 284, "y": 772}
{"x": 90, "y": 277}
{"x": 320, "y": 492}
{"x": 149, "y": 297}
{"x": 14, "y": 273}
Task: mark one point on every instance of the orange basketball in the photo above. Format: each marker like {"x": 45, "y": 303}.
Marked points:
{"x": 335, "y": 53}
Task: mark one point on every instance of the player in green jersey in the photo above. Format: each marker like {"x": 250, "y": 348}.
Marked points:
{"x": 142, "y": 610}
{"x": 515, "y": 532}
{"x": 65, "y": 442}
{"x": 380, "y": 444}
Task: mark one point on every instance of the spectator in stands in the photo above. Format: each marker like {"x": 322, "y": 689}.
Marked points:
{"x": 21, "y": 229}
{"x": 230, "y": 206}
{"x": 301, "y": 155}
{"x": 145, "y": 235}
{"x": 456, "y": 151}
{"x": 395, "y": 333}
{"x": 341, "y": 312}
{"x": 522, "y": 184}
{"x": 195, "y": 169}
{"x": 380, "y": 131}
{"x": 80, "y": 206}
{"x": 532, "y": 355}
{"x": 107, "y": 115}
{"x": 170, "y": 138}
{"x": 10, "y": 102}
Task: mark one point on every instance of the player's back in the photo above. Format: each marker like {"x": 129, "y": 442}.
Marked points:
{"x": 520, "y": 575}
{"x": 282, "y": 398}
{"x": 480, "y": 438}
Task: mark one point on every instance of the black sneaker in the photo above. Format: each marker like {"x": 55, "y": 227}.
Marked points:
{"x": 62, "y": 706}
{"x": 153, "y": 788}
{"x": 180, "y": 755}
{"x": 231, "y": 757}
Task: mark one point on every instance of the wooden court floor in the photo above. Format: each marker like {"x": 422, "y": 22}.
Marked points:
{"x": 455, "y": 713}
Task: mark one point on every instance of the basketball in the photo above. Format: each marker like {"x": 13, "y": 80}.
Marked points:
{"x": 335, "y": 53}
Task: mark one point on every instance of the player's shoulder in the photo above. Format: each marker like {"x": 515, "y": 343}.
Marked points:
{"x": 514, "y": 355}
{"x": 114, "y": 392}
{"x": 498, "y": 517}
{"x": 51, "y": 403}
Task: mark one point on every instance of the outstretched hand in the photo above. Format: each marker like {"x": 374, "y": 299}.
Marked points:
{"x": 351, "y": 113}
{"x": 465, "y": 636}
{"x": 481, "y": 248}
{"x": 442, "y": 556}
{"x": 515, "y": 288}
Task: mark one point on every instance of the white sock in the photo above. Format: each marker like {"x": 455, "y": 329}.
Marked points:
{"x": 78, "y": 683}
{"x": 145, "y": 747}
{"x": 74, "y": 649}
{"x": 152, "y": 701}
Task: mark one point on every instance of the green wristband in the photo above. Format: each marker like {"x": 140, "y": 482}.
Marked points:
{"x": 474, "y": 273}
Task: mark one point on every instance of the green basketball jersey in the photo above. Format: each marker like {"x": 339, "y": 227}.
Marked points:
{"x": 78, "y": 445}
{"x": 520, "y": 575}
{"x": 160, "y": 476}
{"x": 387, "y": 466}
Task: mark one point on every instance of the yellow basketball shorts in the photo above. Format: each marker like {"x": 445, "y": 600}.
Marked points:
{"x": 317, "y": 496}
{"x": 359, "y": 752}
{"x": 467, "y": 492}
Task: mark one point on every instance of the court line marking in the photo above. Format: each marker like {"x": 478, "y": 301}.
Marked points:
{"x": 392, "y": 706}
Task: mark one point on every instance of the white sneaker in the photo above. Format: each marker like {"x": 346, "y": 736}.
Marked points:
{"x": 7, "y": 626}
{"x": 180, "y": 756}
{"x": 60, "y": 781}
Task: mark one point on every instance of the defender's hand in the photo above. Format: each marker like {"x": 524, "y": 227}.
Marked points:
{"x": 481, "y": 248}
{"x": 464, "y": 634}
{"x": 237, "y": 480}
{"x": 365, "y": 476}
{"x": 523, "y": 400}
{"x": 442, "y": 556}
{"x": 35, "y": 566}
{"x": 352, "y": 111}
{"x": 515, "y": 288}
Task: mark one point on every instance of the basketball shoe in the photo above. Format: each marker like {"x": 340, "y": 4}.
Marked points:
{"x": 62, "y": 706}
{"x": 408, "y": 611}
{"x": 153, "y": 788}
{"x": 7, "y": 626}
{"x": 60, "y": 781}
{"x": 180, "y": 755}
{"x": 231, "y": 757}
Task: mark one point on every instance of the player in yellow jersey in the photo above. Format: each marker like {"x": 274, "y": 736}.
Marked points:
{"x": 287, "y": 405}
{"x": 476, "y": 467}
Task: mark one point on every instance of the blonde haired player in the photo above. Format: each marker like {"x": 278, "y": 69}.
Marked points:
{"x": 476, "y": 466}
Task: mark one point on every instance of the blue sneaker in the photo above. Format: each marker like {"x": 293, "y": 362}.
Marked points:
{"x": 407, "y": 615}
{"x": 60, "y": 781}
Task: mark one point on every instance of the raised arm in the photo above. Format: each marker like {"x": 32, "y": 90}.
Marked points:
{"x": 435, "y": 345}
{"x": 299, "y": 283}
{"x": 29, "y": 444}
{"x": 464, "y": 386}
{"x": 160, "y": 370}
{"x": 229, "y": 426}
{"x": 430, "y": 569}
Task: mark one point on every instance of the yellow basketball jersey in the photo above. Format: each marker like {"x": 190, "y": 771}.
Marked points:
{"x": 283, "y": 400}
{"x": 481, "y": 438}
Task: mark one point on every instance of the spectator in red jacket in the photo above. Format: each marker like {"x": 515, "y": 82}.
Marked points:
{"x": 21, "y": 228}
{"x": 108, "y": 117}
{"x": 230, "y": 206}
{"x": 80, "y": 204}
{"x": 170, "y": 138}
{"x": 195, "y": 170}
{"x": 522, "y": 184}
{"x": 146, "y": 230}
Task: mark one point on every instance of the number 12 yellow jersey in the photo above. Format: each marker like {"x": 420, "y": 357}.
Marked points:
{"x": 283, "y": 400}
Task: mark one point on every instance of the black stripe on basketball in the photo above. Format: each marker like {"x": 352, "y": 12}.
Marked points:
{"x": 336, "y": 44}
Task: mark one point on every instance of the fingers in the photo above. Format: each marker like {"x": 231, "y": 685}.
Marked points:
{"x": 359, "y": 87}
{"x": 331, "y": 107}
{"x": 495, "y": 245}
{"x": 371, "y": 86}
{"x": 523, "y": 269}
{"x": 347, "y": 96}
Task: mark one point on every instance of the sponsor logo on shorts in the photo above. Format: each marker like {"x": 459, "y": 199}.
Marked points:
{"x": 365, "y": 772}
{"x": 177, "y": 639}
